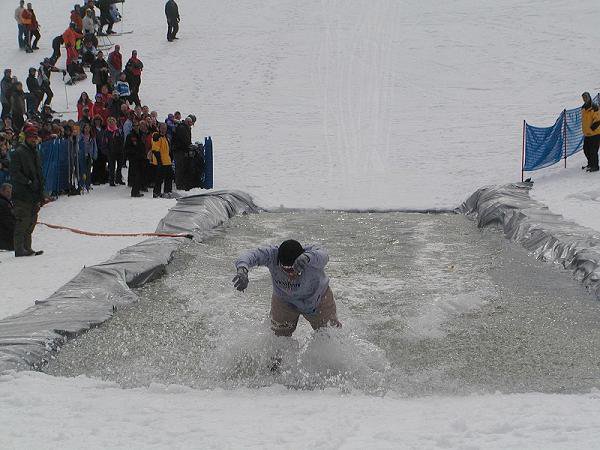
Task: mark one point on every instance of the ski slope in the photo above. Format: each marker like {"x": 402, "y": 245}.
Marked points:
{"x": 338, "y": 104}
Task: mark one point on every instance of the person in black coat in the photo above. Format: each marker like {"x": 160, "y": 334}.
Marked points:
{"x": 100, "y": 73}
{"x": 17, "y": 106}
{"x": 35, "y": 92}
{"x": 172, "y": 13}
{"x": 5, "y": 92}
{"x": 135, "y": 149}
{"x": 182, "y": 144}
{"x": 7, "y": 218}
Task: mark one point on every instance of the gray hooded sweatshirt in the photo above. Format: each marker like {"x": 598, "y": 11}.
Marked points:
{"x": 303, "y": 292}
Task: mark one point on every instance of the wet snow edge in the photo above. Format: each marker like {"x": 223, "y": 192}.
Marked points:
{"x": 548, "y": 236}
{"x": 93, "y": 295}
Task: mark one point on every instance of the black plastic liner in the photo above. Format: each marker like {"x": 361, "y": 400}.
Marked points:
{"x": 97, "y": 291}
{"x": 548, "y": 236}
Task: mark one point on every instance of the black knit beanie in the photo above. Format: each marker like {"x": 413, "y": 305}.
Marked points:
{"x": 288, "y": 252}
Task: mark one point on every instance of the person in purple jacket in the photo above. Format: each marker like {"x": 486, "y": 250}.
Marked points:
{"x": 300, "y": 285}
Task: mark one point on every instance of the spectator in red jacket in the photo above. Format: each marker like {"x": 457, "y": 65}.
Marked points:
{"x": 34, "y": 28}
{"x": 100, "y": 108}
{"x": 115, "y": 63}
{"x": 133, "y": 69}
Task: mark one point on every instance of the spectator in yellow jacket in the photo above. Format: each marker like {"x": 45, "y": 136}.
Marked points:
{"x": 161, "y": 158}
{"x": 590, "y": 125}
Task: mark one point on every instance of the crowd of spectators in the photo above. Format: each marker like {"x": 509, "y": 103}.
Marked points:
{"x": 113, "y": 130}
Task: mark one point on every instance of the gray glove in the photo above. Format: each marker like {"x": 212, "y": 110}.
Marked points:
{"x": 240, "y": 281}
{"x": 301, "y": 263}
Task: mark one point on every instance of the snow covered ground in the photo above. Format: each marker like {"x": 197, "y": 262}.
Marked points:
{"x": 72, "y": 413}
{"x": 337, "y": 104}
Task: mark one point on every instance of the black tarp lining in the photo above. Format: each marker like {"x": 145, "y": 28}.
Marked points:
{"x": 97, "y": 291}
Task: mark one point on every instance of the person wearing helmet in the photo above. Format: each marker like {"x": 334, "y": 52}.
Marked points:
{"x": 300, "y": 285}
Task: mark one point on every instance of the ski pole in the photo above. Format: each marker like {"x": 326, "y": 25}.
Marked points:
{"x": 66, "y": 95}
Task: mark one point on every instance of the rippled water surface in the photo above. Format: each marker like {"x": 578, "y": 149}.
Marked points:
{"x": 429, "y": 304}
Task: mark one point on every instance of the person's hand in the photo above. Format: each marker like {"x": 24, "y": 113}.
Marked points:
{"x": 301, "y": 263}
{"x": 240, "y": 281}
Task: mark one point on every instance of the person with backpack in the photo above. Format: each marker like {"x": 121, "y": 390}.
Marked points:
{"x": 106, "y": 15}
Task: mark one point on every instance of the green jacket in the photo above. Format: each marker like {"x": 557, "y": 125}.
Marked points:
{"x": 26, "y": 174}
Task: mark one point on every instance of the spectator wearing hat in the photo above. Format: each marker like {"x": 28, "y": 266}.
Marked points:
{"x": 28, "y": 190}
{"x": 7, "y": 218}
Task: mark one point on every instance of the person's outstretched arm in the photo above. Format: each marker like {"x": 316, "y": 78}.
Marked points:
{"x": 262, "y": 256}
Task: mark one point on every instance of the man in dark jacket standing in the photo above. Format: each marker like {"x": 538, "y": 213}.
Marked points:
{"x": 172, "y": 13}
{"x": 135, "y": 150}
{"x": 7, "y": 218}
{"x": 5, "y": 92}
{"x": 182, "y": 143}
{"x": 35, "y": 92}
{"x": 28, "y": 190}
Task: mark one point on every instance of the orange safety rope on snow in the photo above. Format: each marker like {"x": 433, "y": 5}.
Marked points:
{"x": 89, "y": 233}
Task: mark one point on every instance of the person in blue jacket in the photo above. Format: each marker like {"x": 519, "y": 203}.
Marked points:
{"x": 300, "y": 285}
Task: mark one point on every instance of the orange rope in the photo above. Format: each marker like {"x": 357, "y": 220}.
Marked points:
{"x": 89, "y": 233}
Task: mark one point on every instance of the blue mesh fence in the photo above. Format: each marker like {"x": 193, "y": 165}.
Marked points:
{"x": 548, "y": 145}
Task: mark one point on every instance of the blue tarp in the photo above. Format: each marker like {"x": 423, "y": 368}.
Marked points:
{"x": 55, "y": 165}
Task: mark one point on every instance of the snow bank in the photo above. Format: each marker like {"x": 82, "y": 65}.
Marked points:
{"x": 549, "y": 236}
{"x": 91, "y": 297}
{"x": 101, "y": 415}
